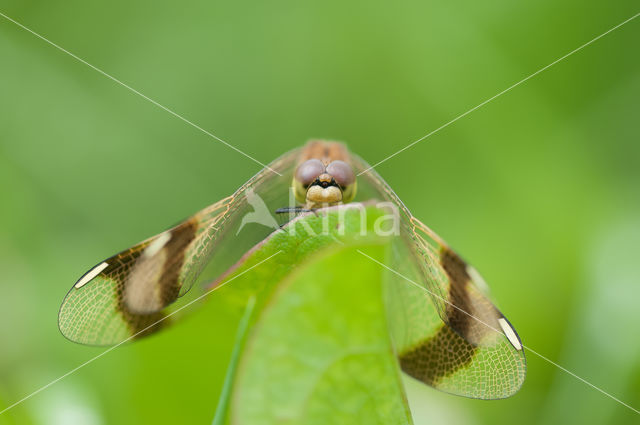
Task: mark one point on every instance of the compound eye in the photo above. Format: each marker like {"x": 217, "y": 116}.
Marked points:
{"x": 308, "y": 171}
{"x": 341, "y": 172}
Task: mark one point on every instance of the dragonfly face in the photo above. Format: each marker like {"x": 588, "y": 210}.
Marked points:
{"x": 325, "y": 178}
{"x": 446, "y": 330}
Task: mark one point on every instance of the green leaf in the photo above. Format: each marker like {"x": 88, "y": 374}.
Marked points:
{"x": 286, "y": 248}
{"x": 319, "y": 350}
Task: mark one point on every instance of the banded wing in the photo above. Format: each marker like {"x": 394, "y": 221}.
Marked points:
{"x": 446, "y": 331}
{"x": 127, "y": 295}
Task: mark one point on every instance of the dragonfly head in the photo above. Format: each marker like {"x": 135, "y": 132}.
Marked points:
{"x": 318, "y": 184}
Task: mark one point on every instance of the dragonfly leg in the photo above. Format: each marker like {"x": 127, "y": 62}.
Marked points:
{"x": 292, "y": 212}
{"x": 289, "y": 210}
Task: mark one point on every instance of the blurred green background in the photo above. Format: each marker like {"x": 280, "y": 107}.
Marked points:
{"x": 539, "y": 189}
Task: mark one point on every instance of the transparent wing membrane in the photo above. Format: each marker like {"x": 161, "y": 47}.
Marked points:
{"x": 127, "y": 293}
{"x": 447, "y": 332}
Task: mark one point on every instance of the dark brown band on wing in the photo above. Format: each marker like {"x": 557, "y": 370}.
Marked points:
{"x": 123, "y": 262}
{"x": 438, "y": 357}
{"x": 181, "y": 236}
{"x": 459, "y": 314}
{"x": 140, "y": 324}
{"x": 449, "y": 349}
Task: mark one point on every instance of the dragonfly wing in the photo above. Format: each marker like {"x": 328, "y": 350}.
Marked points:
{"x": 446, "y": 330}
{"x": 127, "y": 295}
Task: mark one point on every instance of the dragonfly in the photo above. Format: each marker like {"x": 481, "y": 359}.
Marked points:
{"x": 446, "y": 331}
